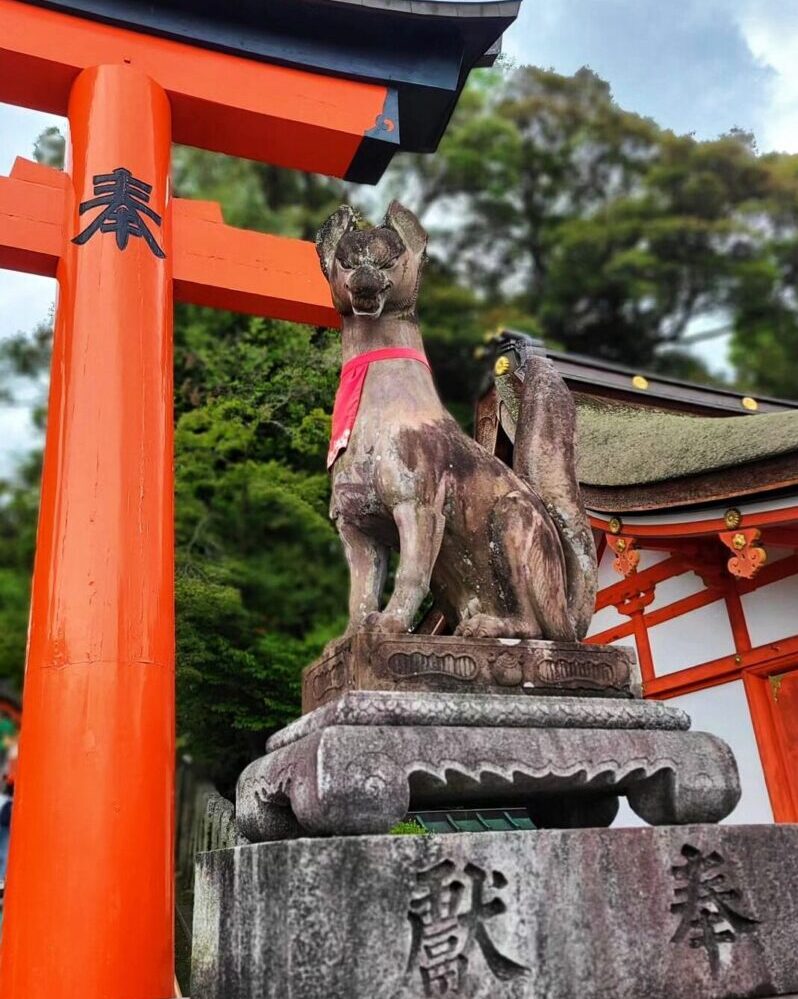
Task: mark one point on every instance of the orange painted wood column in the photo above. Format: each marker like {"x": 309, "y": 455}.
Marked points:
{"x": 89, "y": 904}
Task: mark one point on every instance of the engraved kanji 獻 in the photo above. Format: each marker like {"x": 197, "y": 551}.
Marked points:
{"x": 124, "y": 201}
{"x": 448, "y": 912}
{"x": 709, "y": 905}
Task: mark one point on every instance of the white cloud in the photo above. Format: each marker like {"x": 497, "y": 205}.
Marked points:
{"x": 770, "y": 30}
{"x": 686, "y": 64}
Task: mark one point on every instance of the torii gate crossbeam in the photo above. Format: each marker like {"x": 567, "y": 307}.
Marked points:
{"x": 214, "y": 264}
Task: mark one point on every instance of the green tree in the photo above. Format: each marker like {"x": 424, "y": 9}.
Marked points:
{"x": 24, "y": 362}
{"x": 19, "y": 501}
{"x": 765, "y": 299}
{"x": 261, "y": 583}
{"x": 600, "y": 231}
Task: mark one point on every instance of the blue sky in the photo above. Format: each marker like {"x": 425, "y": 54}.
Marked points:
{"x": 701, "y": 66}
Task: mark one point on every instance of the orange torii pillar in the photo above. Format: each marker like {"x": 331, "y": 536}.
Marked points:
{"x": 95, "y": 779}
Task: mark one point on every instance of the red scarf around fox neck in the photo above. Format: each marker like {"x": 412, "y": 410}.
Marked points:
{"x": 350, "y": 389}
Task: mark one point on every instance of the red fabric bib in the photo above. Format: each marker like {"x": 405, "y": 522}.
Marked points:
{"x": 350, "y": 389}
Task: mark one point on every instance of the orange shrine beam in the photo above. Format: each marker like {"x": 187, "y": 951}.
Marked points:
{"x": 214, "y": 264}
{"x": 275, "y": 114}
{"x": 90, "y": 884}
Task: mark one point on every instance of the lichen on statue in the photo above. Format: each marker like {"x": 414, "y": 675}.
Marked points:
{"x": 506, "y": 552}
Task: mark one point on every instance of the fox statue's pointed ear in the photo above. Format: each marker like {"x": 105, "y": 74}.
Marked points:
{"x": 408, "y": 228}
{"x": 341, "y": 221}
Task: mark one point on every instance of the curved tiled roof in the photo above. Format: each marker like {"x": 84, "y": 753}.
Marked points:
{"x": 624, "y": 445}
{"x": 639, "y": 457}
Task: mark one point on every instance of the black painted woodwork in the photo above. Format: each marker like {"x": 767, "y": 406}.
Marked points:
{"x": 424, "y": 49}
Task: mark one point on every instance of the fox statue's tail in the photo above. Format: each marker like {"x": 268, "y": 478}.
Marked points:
{"x": 544, "y": 455}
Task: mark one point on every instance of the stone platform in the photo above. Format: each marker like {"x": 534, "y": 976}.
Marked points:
{"x": 447, "y": 664}
{"x": 690, "y": 912}
{"x": 357, "y": 766}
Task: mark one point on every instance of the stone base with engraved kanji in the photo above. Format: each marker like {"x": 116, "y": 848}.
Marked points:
{"x": 675, "y": 912}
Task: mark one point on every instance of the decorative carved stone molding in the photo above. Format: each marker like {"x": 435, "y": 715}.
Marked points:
{"x": 450, "y": 664}
{"x": 358, "y": 780}
{"x": 392, "y": 708}
{"x": 749, "y": 555}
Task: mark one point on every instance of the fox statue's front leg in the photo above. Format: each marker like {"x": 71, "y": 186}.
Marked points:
{"x": 368, "y": 568}
{"x": 420, "y": 533}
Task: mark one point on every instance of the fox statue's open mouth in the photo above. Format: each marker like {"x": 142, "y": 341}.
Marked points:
{"x": 370, "y": 307}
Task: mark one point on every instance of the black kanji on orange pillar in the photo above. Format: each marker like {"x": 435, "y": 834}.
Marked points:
{"x": 123, "y": 199}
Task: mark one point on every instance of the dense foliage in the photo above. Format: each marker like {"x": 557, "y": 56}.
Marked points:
{"x": 261, "y": 584}
{"x": 609, "y": 236}
{"x": 550, "y": 209}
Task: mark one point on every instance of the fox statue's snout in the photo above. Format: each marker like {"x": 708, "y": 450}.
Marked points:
{"x": 368, "y": 289}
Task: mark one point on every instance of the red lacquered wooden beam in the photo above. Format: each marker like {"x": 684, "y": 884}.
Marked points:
{"x": 89, "y": 897}
{"x": 219, "y": 101}
{"x": 214, "y": 264}
{"x": 227, "y": 268}
{"x": 32, "y": 219}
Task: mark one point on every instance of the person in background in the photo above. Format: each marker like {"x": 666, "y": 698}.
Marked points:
{"x": 6, "y": 802}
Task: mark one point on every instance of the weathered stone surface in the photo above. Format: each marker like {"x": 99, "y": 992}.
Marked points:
{"x": 374, "y": 707}
{"x": 507, "y": 553}
{"x": 692, "y": 912}
{"x": 354, "y": 780}
{"x": 452, "y": 664}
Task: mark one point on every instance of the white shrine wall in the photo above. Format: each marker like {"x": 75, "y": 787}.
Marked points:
{"x": 701, "y": 635}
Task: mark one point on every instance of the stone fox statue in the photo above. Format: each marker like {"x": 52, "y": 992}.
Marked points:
{"x": 507, "y": 553}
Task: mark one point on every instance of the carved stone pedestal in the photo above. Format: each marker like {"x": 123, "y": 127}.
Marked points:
{"x": 689, "y": 912}
{"x": 357, "y": 766}
{"x": 447, "y": 664}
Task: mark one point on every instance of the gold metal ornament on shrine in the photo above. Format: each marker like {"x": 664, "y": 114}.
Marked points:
{"x": 627, "y": 556}
{"x": 732, "y": 518}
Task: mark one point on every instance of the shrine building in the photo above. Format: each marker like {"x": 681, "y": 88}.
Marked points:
{"x": 693, "y": 497}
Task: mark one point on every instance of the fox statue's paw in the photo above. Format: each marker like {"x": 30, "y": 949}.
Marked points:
{"x": 485, "y": 626}
{"x": 386, "y": 624}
